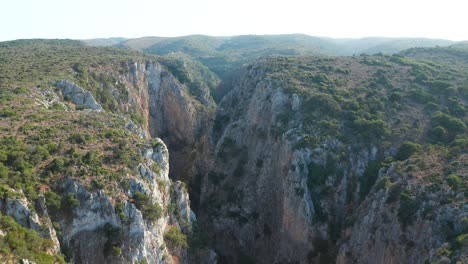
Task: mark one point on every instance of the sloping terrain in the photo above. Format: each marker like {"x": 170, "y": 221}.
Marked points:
{"x": 78, "y": 165}
{"x": 292, "y": 159}
{"x": 354, "y": 159}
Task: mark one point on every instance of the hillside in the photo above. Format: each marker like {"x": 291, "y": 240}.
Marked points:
{"x": 223, "y": 55}
{"x": 455, "y": 56}
{"x": 350, "y": 159}
{"x": 78, "y": 166}
{"x": 205, "y": 153}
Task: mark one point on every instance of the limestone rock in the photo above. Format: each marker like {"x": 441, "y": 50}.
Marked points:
{"x": 26, "y": 261}
{"x": 137, "y": 130}
{"x": 78, "y": 95}
{"x": 20, "y": 210}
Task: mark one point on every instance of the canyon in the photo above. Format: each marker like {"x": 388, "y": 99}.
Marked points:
{"x": 286, "y": 159}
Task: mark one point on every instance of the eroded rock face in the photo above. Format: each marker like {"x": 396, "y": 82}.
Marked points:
{"x": 78, "y": 95}
{"x": 171, "y": 112}
{"x": 20, "y": 210}
{"x": 265, "y": 198}
{"x": 379, "y": 236}
{"x": 96, "y": 231}
{"x": 95, "y": 227}
{"x": 257, "y": 205}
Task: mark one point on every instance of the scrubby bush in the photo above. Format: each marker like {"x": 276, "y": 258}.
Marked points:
{"x": 452, "y": 127}
{"x": 80, "y": 138}
{"x": 53, "y": 201}
{"x": 22, "y": 243}
{"x": 373, "y": 128}
{"x": 407, "y": 149}
{"x": 322, "y": 102}
{"x": 70, "y": 201}
{"x": 408, "y": 208}
{"x": 7, "y": 113}
{"x": 175, "y": 238}
{"x": 454, "y": 181}
{"x": 57, "y": 165}
{"x": 151, "y": 211}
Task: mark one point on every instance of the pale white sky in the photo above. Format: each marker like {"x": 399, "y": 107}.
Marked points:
{"x": 82, "y": 19}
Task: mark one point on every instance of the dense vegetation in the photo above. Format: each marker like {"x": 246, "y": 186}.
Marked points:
{"x": 21, "y": 243}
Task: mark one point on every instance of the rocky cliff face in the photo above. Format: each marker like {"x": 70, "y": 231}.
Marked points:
{"x": 95, "y": 227}
{"x": 171, "y": 112}
{"x": 418, "y": 229}
{"x": 254, "y": 199}
{"x": 269, "y": 197}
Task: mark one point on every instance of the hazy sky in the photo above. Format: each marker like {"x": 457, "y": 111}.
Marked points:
{"x": 81, "y": 19}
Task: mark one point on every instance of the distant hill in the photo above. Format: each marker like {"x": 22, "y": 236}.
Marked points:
{"x": 385, "y": 45}
{"x": 223, "y": 55}
{"x": 292, "y": 44}
{"x": 103, "y": 42}
{"x": 455, "y": 55}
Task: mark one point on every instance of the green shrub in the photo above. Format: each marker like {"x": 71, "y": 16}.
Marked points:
{"x": 372, "y": 128}
{"x": 151, "y": 211}
{"x": 156, "y": 168}
{"x": 454, "y": 181}
{"x": 71, "y": 202}
{"x": 175, "y": 238}
{"x": 367, "y": 180}
{"x": 456, "y": 107}
{"x": 119, "y": 210}
{"x": 116, "y": 251}
{"x": 98, "y": 184}
{"x": 431, "y": 107}
{"x": 53, "y": 201}
{"x": 421, "y": 96}
{"x": 459, "y": 145}
{"x": 22, "y": 243}
{"x": 408, "y": 208}
{"x": 91, "y": 158}
{"x": 462, "y": 240}
{"x": 325, "y": 103}
{"x": 407, "y": 149}
{"x": 57, "y": 107}
{"x": 317, "y": 174}
{"x": 113, "y": 242}
{"x": 80, "y": 138}
{"x": 453, "y": 126}
{"x": 394, "y": 191}
{"x": 7, "y": 113}
{"x": 439, "y": 86}
{"x": 39, "y": 154}
{"x": 57, "y": 165}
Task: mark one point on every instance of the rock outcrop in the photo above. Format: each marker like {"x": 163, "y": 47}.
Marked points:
{"x": 20, "y": 210}
{"x": 78, "y": 95}
{"x": 96, "y": 227}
